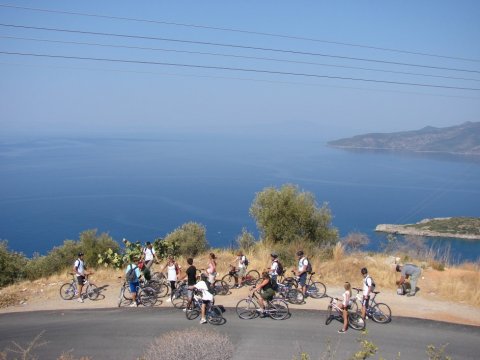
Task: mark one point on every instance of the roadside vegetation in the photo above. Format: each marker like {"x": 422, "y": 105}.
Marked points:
{"x": 287, "y": 218}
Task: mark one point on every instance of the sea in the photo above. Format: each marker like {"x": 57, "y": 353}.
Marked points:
{"x": 52, "y": 189}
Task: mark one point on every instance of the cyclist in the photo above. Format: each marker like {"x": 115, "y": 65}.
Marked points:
{"x": 79, "y": 269}
{"x": 302, "y": 271}
{"x": 411, "y": 272}
{"x": 266, "y": 291}
{"x": 345, "y": 305}
{"x": 241, "y": 269}
{"x": 212, "y": 268}
{"x": 148, "y": 255}
{"x": 368, "y": 286}
{"x": 273, "y": 271}
{"x": 132, "y": 274}
{"x": 172, "y": 272}
{"x": 207, "y": 296}
{"x": 191, "y": 275}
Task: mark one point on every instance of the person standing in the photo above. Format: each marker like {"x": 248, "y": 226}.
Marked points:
{"x": 149, "y": 255}
{"x": 172, "y": 271}
{"x": 410, "y": 272}
{"x": 301, "y": 272}
{"x": 345, "y": 305}
{"x": 132, "y": 275}
{"x": 241, "y": 269}
{"x": 79, "y": 268}
{"x": 273, "y": 271}
{"x": 368, "y": 287}
{"x": 191, "y": 274}
{"x": 212, "y": 268}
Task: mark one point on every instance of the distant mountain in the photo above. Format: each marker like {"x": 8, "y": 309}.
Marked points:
{"x": 461, "y": 139}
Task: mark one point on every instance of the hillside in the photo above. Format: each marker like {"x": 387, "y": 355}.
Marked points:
{"x": 459, "y": 227}
{"x": 461, "y": 139}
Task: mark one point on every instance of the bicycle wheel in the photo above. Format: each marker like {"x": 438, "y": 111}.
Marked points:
{"x": 92, "y": 292}
{"x": 179, "y": 299}
{"x": 291, "y": 281}
{"x": 316, "y": 290}
{"x": 194, "y": 313}
{"x": 252, "y": 277}
{"x": 294, "y": 296}
{"x": 159, "y": 287}
{"x": 355, "y": 321}
{"x": 127, "y": 295}
{"x": 215, "y": 316}
{"x": 330, "y": 316}
{"x": 67, "y": 291}
{"x": 229, "y": 280}
{"x": 354, "y": 307}
{"x": 381, "y": 313}
{"x": 221, "y": 287}
{"x": 121, "y": 298}
{"x": 246, "y": 309}
{"x": 147, "y": 296}
{"x": 279, "y": 309}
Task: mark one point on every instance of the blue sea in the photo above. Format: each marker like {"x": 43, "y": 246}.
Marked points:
{"x": 52, "y": 189}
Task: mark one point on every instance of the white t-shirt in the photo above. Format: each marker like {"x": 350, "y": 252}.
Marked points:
{"x": 303, "y": 262}
{"x": 149, "y": 253}
{"x": 346, "y": 298}
{"x": 367, "y": 282}
{"x": 80, "y": 265}
{"x": 206, "y": 295}
{"x": 241, "y": 261}
{"x": 171, "y": 273}
{"x": 274, "y": 267}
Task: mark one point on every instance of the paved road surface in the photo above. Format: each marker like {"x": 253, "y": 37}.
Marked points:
{"x": 123, "y": 333}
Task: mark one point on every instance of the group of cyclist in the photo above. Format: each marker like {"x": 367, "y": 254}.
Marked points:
{"x": 266, "y": 287}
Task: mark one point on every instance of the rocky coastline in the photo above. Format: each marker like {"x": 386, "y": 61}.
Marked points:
{"x": 409, "y": 230}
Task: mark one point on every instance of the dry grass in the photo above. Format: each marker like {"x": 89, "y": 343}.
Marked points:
{"x": 194, "y": 343}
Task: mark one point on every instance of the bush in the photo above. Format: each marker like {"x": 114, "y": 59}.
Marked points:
{"x": 246, "y": 241}
{"x": 190, "y": 344}
{"x": 12, "y": 265}
{"x": 190, "y": 238}
{"x": 354, "y": 241}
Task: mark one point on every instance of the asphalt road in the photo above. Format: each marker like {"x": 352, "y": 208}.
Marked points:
{"x": 124, "y": 333}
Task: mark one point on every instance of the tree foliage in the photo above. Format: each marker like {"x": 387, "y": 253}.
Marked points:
{"x": 286, "y": 215}
{"x": 190, "y": 238}
{"x": 11, "y": 265}
{"x": 246, "y": 240}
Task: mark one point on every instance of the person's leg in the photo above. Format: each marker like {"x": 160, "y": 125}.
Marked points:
{"x": 345, "y": 319}
{"x": 302, "y": 281}
{"x": 203, "y": 320}
{"x": 190, "y": 299}
{"x": 80, "y": 281}
{"x": 413, "y": 283}
{"x": 172, "y": 288}
{"x": 148, "y": 264}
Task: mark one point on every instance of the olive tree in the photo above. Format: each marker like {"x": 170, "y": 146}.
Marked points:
{"x": 190, "y": 239}
{"x": 287, "y": 214}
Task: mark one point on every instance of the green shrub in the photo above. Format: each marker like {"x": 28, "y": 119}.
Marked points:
{"x": 12, "y": 265}
{"x": 246, "y": 241}
{"x": 190, "y": 238}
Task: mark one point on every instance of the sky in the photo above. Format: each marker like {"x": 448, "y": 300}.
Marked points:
{"x": 291, "y": 88}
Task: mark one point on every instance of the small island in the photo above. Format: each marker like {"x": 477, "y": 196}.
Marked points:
{"x": 451, "y": 227}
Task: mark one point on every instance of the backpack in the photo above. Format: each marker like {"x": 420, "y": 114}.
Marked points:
{"x": 210, "y": 287}
{"x": 373, "y": 282}
{"x": 131, "y": 275}
{"x": 245, "y": 262}
{"x": 280, "y": 269}
{"x": 309, "y": 266}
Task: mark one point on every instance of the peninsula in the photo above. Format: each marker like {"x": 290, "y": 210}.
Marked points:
{"x": 462, "y": 139}
{"x": 452, "y": 227}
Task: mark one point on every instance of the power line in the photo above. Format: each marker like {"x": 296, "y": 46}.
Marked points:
{"x": 239, "y": 69}
{"x": 240, "y": 31}
{"x": 235, "y": 56}
{"x": 241, "y": 79}
{"x": 238, "y": 47}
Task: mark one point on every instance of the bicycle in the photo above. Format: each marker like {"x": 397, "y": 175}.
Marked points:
{"x": 315, "y": 289}
{"x": 161, "y": 278}
{"x": 378, "y": 312}
{"x": 146, "y": 296}
{"x": 249, "y": 308}
{"x": 289, "y": 293}
{"x": 250, "y": 278}
{"x": 180, "y": 295}
{"x": 355, "y": 321}
{"x": 70, "y": 289}
{"x": 213, "y": 313}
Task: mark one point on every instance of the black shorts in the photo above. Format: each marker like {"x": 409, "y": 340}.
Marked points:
{"x": 81, "y": 280}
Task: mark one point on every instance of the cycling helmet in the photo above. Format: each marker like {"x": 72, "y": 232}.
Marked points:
{"x": 274, "y": 255}
{"x": 299, "y": 253}
{"x": 80, "y": 254}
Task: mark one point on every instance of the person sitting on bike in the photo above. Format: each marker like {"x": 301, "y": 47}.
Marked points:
{"x": 207, "y": 296}
{"x": 132, "y": 275}
{"x": 368, "y": 286}
{"x": 345, "y": 305}
{"x": 266, "y": 291}
{"x": 302, "y": 271}
{"x": 79, "y": 270}
{"x": 241, "y": 269}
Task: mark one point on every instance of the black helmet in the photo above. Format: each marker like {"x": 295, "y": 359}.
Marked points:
{"x": 204, "y": 277}
{"x": 364, "y": 271}
{"x": 80, "y": 254}
{"x": 299, "y": 253}
{"x": 274, "y": 255}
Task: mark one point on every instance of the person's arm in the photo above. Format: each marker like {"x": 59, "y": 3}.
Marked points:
{"x": 369, "y": 287}
{"x": 75, "y": 267}
{"x": 262, "y": 284}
